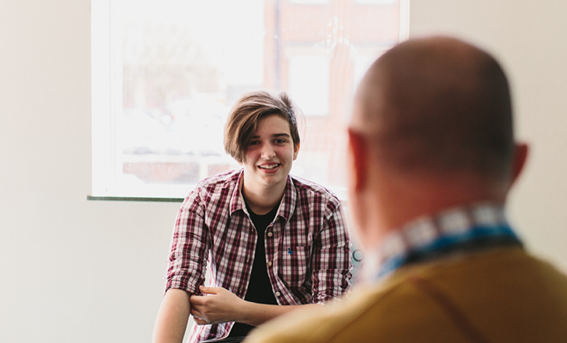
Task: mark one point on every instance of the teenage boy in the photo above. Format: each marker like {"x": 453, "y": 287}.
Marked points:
{"x": 268, "y": 238}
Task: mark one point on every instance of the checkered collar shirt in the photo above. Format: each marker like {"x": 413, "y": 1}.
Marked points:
{"x": 307, "y": 245}
{"x": 429, "y": 235}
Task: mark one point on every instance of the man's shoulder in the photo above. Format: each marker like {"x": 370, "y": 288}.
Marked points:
{"x": 352, "y": 319}
{"x": 429, "y": 300}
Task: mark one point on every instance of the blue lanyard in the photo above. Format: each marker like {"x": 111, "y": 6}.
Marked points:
{"x": 446, "y": 241}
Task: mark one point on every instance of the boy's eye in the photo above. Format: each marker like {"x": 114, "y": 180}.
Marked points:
{"x": 254, "y": 143}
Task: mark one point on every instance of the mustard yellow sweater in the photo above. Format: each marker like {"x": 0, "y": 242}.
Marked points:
{"x": 502, "y": 295}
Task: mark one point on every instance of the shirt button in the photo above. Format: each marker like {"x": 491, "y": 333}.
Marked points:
{"x": 270, "y": 234}
{"x": 270, "y": 264}
{"x": 278, "y": 294}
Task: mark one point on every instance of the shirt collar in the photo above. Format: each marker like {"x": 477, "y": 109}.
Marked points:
{"x": 236, "y": 199}
{"x": 287, "y": 204}
{"x": 429, "y": 233}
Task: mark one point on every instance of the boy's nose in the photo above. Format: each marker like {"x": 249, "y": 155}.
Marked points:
{"x": 268, "y": 152}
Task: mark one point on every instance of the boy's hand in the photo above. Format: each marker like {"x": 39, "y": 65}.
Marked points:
{"x": 218, "y": 305}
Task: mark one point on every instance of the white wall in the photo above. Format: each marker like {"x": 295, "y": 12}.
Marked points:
{"x": 78, "y": 271}
{"x": 71, "y": 270}
{"x": 528, "y": 37}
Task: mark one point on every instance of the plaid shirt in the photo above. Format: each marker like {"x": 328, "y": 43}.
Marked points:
{"x": 307, "y": 245}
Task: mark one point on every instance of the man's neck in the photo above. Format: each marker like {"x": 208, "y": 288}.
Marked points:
{"x": 262, "y": 200}
{"x": 399, "y": 203}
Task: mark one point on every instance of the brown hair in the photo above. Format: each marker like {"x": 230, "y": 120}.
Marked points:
{"x": 246, "y": 113}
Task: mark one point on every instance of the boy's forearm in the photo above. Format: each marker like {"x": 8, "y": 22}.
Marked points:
{"x": 172, "y": 317}
{"x": 256, "y": 314}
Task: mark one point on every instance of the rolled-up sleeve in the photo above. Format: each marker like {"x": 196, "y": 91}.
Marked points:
{"x": 331, "y": 260}
{"x": 189, "y": 247}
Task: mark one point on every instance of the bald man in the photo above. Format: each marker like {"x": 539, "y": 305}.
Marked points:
{"x": 432, "y": 157}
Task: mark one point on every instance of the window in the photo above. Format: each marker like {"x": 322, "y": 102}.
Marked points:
{"x": 166, "y": 72}
{"x": 309, "y": 82}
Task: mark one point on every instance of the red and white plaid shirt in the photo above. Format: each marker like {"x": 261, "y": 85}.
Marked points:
{"x": 307, "y": 245}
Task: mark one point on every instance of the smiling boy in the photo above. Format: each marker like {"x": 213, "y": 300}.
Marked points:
{"x": 267, "y": 238}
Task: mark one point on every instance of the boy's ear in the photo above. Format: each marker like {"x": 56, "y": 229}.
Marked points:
{"x": 357, "y": 162}
{"x": 295, "y": 151}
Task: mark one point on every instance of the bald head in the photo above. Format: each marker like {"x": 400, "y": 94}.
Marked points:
{"x": 437, "y": 105}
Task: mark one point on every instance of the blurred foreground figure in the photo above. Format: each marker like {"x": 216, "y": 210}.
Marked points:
{"x": 432, "y": 157}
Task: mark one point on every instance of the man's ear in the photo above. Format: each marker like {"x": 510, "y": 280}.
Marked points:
{"x": 295, "y": 151}
{"x": 358, "y": 160}
{"x": 519, "y": 160}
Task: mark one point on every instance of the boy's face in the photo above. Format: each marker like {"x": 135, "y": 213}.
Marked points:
{"x": 270, "y": 154}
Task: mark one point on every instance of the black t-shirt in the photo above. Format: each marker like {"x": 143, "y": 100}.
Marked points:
{"x": 259, "y": 287}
